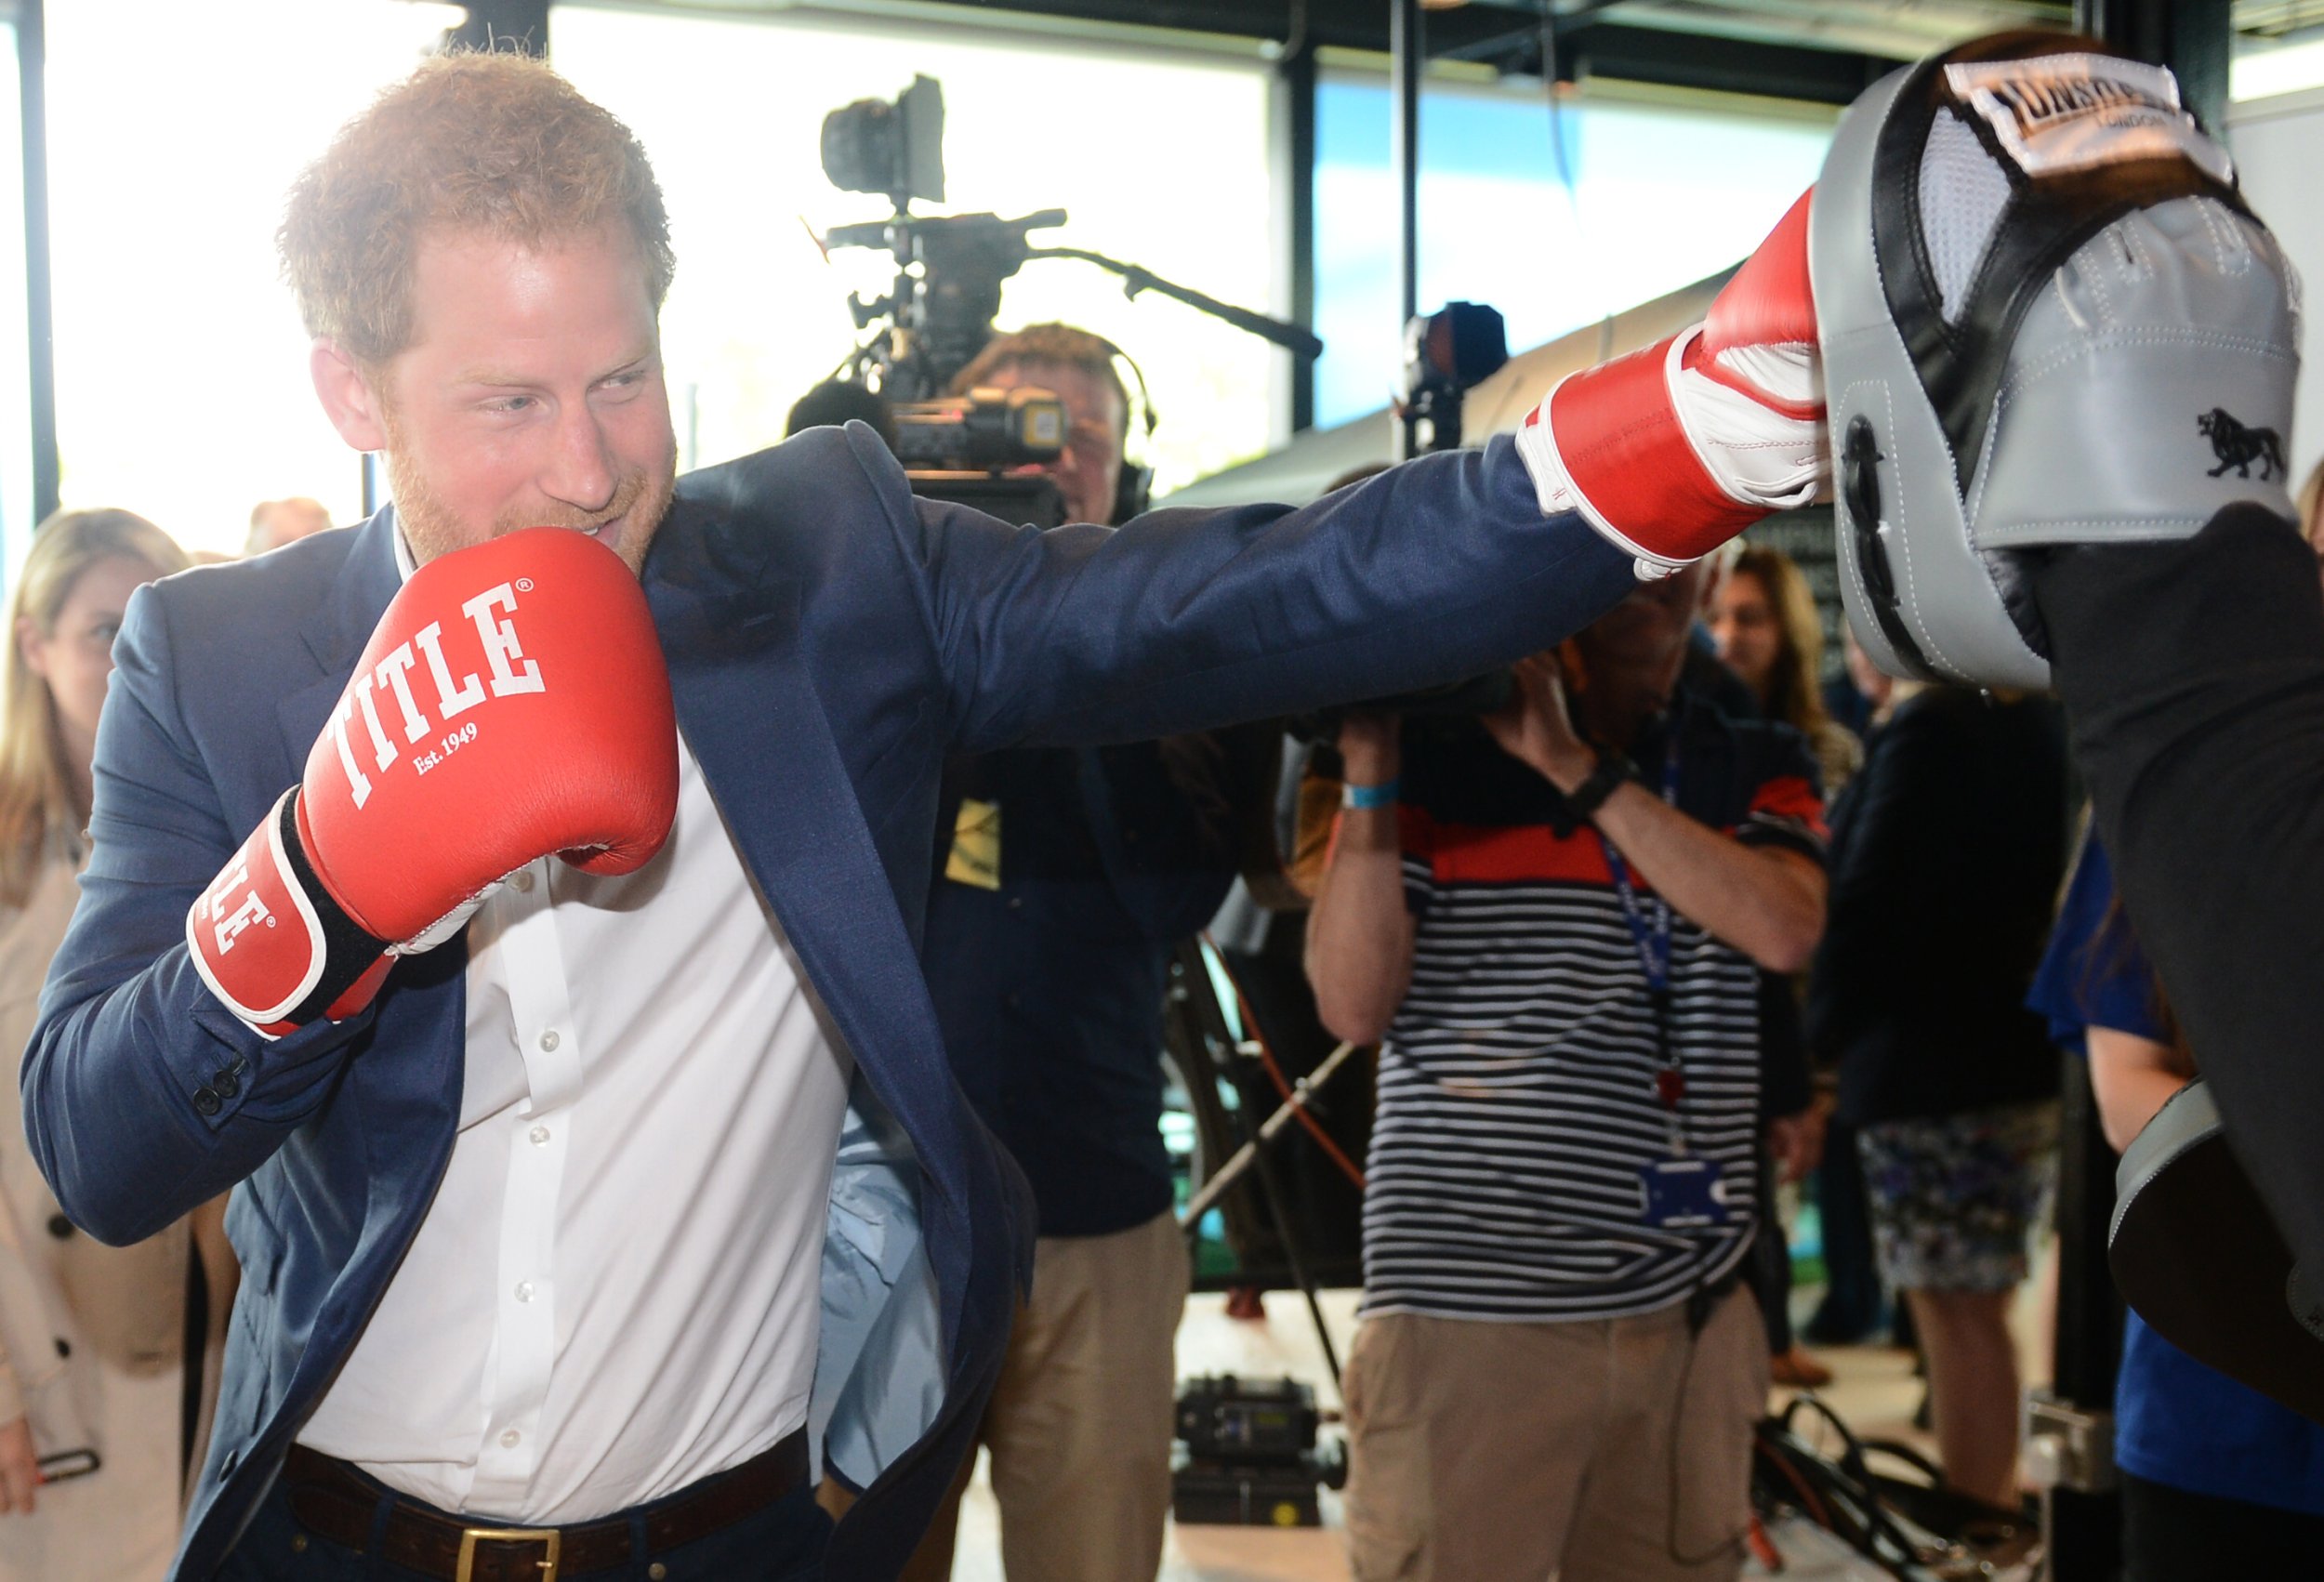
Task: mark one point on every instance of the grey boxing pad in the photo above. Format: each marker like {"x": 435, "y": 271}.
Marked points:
{"x": 2047, "y": 318}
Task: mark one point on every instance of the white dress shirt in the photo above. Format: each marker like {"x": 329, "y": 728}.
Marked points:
{"x": 616, "y": 1290}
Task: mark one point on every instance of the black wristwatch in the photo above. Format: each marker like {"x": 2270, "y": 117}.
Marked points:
{"x": 1613, "y": 771}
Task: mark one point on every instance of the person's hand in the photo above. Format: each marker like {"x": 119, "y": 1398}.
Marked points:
{"x": 1371, "y": 748}
{"x": 20, "y": 1468}
{"x": 1796, "y": 1142}
{"x": 1534, "y": 727}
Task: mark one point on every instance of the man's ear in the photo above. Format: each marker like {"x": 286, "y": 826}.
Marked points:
{"x": 347, "y": 398}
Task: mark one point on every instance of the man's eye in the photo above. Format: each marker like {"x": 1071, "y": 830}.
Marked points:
{"x": 509, "y": 403}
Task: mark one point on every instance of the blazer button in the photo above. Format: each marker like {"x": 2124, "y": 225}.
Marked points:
{"x": 224, "y": 1082}
{"x": 206, "y": 1102}
{"x": 61, "y": 1227}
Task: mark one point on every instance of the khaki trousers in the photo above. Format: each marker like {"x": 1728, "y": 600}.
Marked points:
{"x": 1079, "y": 1426}
{"x": 1610, "y": 1451}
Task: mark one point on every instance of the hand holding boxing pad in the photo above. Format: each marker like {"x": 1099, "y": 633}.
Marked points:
{"x": 1672, "y": 451}
{"x": 512, "y": 701}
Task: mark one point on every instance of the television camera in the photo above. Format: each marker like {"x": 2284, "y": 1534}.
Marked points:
{"x": 939, "y": 313}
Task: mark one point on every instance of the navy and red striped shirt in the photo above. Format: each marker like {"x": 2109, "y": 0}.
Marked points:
{"x": 1517, "y": 1084}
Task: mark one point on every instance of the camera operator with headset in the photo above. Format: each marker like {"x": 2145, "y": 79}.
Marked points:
{"x": 1063, "y": 876}
{"x": 1550, "y": 922}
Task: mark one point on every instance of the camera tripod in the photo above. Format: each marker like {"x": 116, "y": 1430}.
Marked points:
{"x": 1198, "y": 1034}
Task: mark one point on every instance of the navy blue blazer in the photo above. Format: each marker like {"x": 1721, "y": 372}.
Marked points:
{"x": 829, "y": 637}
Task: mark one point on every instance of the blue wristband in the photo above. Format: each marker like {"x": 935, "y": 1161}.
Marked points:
{"x": 1381, "y": 796}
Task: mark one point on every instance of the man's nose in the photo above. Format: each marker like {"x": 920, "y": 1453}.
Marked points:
{"x": 581, "y": 470}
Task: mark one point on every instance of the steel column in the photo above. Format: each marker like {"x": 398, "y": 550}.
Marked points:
{"x": 1408, "y": 50}
{"x": 32, "y": 57}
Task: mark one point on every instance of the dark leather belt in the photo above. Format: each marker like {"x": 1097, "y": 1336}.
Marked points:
{"x": 335, "y": 1501}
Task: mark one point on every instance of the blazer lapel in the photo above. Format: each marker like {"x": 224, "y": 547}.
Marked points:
{"x": 335, "y": 635}
{"x": 751, "y": 714}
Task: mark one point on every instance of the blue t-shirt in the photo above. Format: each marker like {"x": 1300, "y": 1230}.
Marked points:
{"x": 2176, "y": 1421}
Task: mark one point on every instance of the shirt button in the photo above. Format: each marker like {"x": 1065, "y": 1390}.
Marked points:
{"x": 549, "y": 1039}
{"x": 539, "y": 1135}
{"x": 523, "y": 881}
{"x": 510, "y": 1439}
{"x": 524, "y": 1290}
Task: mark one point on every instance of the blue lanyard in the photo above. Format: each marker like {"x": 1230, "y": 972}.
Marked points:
{"x": 1652, "y": 944}
{"x": 1654, "y": 956}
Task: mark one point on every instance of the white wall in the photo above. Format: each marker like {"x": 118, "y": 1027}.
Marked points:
{"x": 2279, "y": 148}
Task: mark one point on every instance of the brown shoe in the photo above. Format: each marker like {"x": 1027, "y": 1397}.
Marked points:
{"x": 1243, "y": 1302}
{"x": 1798, "y": 1370}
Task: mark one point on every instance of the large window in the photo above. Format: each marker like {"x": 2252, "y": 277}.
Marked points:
{"x": 2263, "y": 67}
{"x": 1159, "y": 157}
{"x": 174, "y": 131}
{"x": 16, "y": 395}
{"x": 1663, "y": 194}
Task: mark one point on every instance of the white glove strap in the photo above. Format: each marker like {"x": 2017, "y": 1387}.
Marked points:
{"x": 1756, "y": 451}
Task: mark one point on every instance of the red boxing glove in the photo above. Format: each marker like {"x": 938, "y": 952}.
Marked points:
{"x": 1672, "y": 451}
{"x": 512, "y": 701}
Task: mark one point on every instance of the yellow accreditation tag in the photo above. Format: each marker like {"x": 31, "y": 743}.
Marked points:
{"x": 976, "y": 845}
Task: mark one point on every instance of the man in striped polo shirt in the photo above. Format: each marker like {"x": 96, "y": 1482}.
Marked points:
{"x": 1552, "y": 925}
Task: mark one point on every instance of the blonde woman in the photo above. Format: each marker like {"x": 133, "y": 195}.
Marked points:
{"x": 1763, "y": 619}
{"x": 92, "y": 1382}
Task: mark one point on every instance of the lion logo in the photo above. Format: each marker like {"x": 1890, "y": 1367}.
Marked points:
{"x": 2239, "y": 446}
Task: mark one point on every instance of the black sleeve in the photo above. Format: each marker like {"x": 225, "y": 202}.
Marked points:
{"x": 1165, "y": 816}
{"x": 1883, "y": 835}
{"x": 1785, "y": 1088}
{"x": 2193, "y": 678}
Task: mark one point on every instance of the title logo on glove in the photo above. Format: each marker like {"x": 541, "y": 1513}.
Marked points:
{"x": 228, "y": 926}
{"x": 507, "y": 672}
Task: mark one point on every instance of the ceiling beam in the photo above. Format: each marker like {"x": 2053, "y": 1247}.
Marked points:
{"x": 1676, "y": 59}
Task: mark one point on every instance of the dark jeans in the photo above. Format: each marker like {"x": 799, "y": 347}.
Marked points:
{"x": 783, "y": 1543}
{"x": 2171, "y": 1535}
{"x": 1850, "y": 1309}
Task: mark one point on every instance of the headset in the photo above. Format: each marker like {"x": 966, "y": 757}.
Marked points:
{"x": 1134, "y": 489}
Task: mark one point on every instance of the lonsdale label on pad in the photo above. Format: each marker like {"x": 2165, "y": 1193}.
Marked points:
{"x": 2055, "y": 113}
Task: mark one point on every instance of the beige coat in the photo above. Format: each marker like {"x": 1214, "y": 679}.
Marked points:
{"x": 91, "y": 1336}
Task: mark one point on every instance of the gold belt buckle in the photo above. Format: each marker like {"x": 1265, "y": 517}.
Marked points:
{"x": 470, "y": 1537}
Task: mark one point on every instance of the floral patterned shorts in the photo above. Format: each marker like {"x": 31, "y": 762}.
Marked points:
{"x": 1954, "y": 1198}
